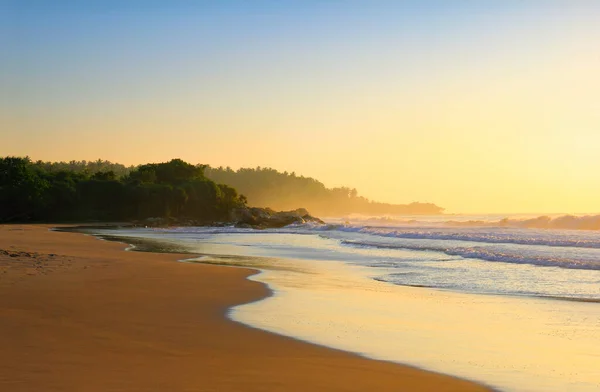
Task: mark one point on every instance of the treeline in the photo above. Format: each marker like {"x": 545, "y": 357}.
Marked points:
{"x": 266, "y": 187}
{"x": 87, "y": 167}
{"x": 39, "y": 191}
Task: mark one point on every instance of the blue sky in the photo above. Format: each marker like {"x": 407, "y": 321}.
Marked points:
{"x": 435, "y": 92}
{"x": 130, "y": 44}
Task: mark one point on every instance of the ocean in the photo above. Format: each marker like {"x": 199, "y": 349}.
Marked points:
{"x": 512, "y": 303}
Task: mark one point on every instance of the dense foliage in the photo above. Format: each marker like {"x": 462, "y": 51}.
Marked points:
{"x": 94, "y": 191}
{"x": 265, "y": 187}
{"x": 87, "y": 167}
{"x": 105, "y": 191}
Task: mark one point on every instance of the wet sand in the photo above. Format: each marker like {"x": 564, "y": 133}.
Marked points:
{"x": 79, "y": 314}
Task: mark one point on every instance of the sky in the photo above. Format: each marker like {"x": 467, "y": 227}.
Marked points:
{"x": 477, "y": 106}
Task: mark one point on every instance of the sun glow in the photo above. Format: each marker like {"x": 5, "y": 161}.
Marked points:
{"x": 478, "y": 109}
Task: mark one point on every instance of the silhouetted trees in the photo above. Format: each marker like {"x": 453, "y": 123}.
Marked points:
{"x": 86, "y": 167}
{"x": 101, "y": 190}
{"x": 266, "y": 187}
{"x": 71, "y": 191}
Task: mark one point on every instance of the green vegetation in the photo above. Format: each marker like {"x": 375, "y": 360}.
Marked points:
{"x": 94, "y": 191}
{"x": 265, "y": 187}
{"x": 104, "y": 191}
{"x": 87, "y": 167}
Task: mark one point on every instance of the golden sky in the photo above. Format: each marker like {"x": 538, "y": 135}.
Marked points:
{"x": 477, "y": 108}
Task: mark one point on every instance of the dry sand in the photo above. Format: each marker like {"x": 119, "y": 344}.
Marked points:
{"x": 79, "y": 314}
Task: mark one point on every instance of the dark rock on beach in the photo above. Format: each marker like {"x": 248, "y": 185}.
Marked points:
{"x": 246, "y": 217}
{"x": 265, "y": 218}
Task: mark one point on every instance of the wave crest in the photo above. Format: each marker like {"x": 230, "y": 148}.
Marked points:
{"x": 488, "y": 254}
{"x": 564, "y": 222}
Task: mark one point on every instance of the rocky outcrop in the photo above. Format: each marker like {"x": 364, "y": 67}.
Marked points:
{"x": 264, "y": 218}
{"x": 247, "y": 217}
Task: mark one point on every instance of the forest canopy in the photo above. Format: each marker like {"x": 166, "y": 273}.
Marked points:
{"x": 104, "y": 191}
{"x": 94, "y": 191}
{"x": 266, "y": 187}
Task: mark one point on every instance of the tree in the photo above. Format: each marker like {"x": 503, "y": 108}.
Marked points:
{"x": 68, "y": 191}
{"x": 22, "y": 189}
{"x": 266, "y": 187}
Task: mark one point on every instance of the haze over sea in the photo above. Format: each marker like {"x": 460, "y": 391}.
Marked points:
{"x": 502, "y": 302}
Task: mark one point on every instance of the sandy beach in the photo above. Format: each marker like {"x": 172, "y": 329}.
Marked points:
{"x": 79, "y": 314}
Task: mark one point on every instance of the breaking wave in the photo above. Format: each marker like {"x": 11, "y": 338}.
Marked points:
{"x": 494, "y": 255}
{"x": 564, "y": 222}
{"x": 491, "y": 236}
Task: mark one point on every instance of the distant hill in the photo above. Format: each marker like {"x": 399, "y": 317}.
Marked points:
{"x": 262, "y": 187}
{"x": 266, "y": 187}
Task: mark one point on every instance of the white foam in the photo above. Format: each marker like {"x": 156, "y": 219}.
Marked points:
{"x": 513, "y": 344}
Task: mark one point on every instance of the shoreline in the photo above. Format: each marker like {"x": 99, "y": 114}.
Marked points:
{"x": 79, "y": 313}
{"x": 153, "y": 246}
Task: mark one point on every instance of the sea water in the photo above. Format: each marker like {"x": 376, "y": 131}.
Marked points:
{"x": 513, "y": 307}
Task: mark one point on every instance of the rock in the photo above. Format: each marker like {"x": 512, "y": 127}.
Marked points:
{"x": 155, "y": 222}
{"x": 314, "y": 219}
{"x": 263, "y": 218}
